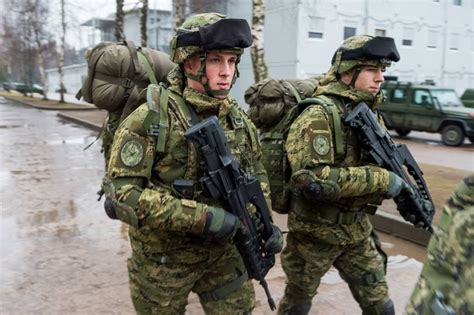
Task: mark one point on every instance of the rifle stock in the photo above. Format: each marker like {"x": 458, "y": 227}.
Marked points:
{"x": 224, "y": 179}
{"x": 416, "y": 205}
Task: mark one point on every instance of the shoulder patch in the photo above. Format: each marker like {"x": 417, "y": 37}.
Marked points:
{"x": 321, "y": 145}
{"x": 132, "y": 153}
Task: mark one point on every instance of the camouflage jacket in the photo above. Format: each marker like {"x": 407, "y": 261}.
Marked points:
{"x": 446, "y": 283}
{"x": 165, "y": 217}
{"x": 310, "y": 145}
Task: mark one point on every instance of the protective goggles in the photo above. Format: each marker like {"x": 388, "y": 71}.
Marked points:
{"x": 376, "y": 49}
{"x": 224, "y": 34}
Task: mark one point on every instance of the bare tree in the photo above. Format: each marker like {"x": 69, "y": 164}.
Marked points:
{"x": 143, "y": 22}
{"x": 38, "y": 12}
{"x": 260, "y": 69}
{"x": 61, "y": 52}
{"x": 179, "y": 12}
{"x": 119, "y": 17}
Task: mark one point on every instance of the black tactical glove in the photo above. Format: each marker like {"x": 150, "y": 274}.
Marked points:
{"x": 306, "y": 183}
{"x": 220, "y": 224}
{"x": 274, "y": 244}
{"x": 395, "y": 185}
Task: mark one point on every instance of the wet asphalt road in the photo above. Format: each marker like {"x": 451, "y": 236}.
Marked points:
{"x": 59, "y": 252}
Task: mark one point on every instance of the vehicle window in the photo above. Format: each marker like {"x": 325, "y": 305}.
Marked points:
{"x": 447, "y": 98}
{"x": 398, "y": 96}
{"x": 422, "y": 97}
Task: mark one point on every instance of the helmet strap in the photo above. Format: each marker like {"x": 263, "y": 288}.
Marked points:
{"x": 201, "y": 73}
{"x": 355, "y": 76}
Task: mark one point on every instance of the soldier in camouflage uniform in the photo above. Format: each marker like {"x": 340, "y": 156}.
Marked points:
{"x": 446, "y": 283}
{"x": 181, "y": 238}
{"x": 333, "y": 188}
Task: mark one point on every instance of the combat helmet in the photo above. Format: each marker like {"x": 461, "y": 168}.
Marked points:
{"x": 364, "y": 50}
{"x": 201, "y": 33}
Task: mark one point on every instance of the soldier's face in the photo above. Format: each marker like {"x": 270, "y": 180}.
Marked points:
{"x": 220, "y": 69}
{"x": 369, "y": 79}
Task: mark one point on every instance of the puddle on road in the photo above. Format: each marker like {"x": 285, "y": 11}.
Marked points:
{"x": 14, "y": 126}
{"x": 87, "y": 140}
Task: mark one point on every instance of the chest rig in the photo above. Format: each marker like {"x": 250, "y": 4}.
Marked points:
{"x": 161, "y": 102}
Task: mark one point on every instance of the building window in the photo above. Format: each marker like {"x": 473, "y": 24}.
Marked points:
{"x": 457, "y": 2}
{"x": 432, "y": 39}
{"x": 380, "y": 32}
{"x": 349, "y": 31}
{"x": 454, "y": 42}
{"x": 408, "y": 34}
{"x": 316, "y": 27}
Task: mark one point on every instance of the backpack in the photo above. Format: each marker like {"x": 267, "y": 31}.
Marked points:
{"x": 117, "y": 78}
{"x": 118, "y": 73}
{"x": 273, "y": 106}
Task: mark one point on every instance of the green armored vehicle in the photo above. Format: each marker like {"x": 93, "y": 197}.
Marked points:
{"x": 425, "y": 107}
{"x": 468, "y": 98}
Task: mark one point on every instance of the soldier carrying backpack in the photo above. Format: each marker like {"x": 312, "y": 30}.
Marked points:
{"x": 274, "y": 105}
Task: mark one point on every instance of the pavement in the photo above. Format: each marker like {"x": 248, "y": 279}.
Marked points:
{"x": 334, "y": 297}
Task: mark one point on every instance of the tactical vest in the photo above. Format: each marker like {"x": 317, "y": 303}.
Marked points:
{"x": 157, "y": 125}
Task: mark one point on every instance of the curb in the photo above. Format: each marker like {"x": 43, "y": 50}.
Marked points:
{"x": 80, "y": 121}
{"x": 382, "y": 221}
{"x": 393, "y": 224}
{"x": 69, "y": 106}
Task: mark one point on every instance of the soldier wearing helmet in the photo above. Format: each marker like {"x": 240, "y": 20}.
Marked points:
{"x": 330, "y": 227}
{"x": 182, "y": 238}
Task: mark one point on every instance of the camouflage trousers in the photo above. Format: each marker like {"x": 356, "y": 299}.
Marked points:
{"x": 305, "y": 260}
{"x": 163, "y": 288}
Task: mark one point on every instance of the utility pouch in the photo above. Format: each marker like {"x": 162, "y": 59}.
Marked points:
{"x": 183, "y": 188}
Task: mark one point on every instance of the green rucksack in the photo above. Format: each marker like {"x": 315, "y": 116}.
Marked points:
{"x": 119, "y": 72}
{"x": 274, "y": 105}
{"x": 117, "y": 78}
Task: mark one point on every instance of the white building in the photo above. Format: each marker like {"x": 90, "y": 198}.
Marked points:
{"x": 435, "y": 38}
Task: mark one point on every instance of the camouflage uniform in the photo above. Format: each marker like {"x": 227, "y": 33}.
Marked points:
{"x": 335, "y": 229}
{"x": 171, "y": 255}
{"x": 446, "y": 283}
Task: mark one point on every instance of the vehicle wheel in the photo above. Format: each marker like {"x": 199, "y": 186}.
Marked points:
{"x": 471, "y": 139}
{"x": 452, "y": 135}
{"x": 402, "y": 132}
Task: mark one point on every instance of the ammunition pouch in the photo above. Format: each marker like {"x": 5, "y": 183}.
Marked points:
{"x": 124, "y": 211}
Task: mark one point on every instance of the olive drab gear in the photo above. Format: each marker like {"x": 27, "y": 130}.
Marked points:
{"x": 274, "y": 105}
{"x": 210, "y": 31}
{"x": 118, "y": 74}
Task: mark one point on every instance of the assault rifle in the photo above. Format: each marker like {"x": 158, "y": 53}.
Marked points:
{"x": 416, "y": 206}
{"x": 224, "y": 179}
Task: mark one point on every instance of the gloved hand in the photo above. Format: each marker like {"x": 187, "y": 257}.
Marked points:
{"x": 220, "y": 224}
{"x": 274, "y": 243}
{"x": 395, "y": 185}
{"x": 305, "y": 182}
